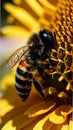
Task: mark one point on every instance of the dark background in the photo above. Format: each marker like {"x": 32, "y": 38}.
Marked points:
{"x": 3, "y": 14}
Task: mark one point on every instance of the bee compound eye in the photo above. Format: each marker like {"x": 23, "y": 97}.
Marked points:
{"x": 47, "y": 38}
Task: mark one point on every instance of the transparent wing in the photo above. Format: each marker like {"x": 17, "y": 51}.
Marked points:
{"x": 15, "y": 57}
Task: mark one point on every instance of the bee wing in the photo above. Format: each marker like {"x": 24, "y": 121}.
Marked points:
{"x": 15, "y": 57}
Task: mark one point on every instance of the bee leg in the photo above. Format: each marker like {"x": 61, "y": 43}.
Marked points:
{"x": 41, "y": 71}
{"x": 48, "y": 56}
{"x": 38, "y": 87}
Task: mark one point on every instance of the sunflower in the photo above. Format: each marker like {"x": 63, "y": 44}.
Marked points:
{"x": 56, "y": 112}
{"x": 27, "y": 16}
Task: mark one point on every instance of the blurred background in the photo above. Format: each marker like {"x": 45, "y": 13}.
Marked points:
{"x": 4, "y": 13}
{"x": 8, "y": 42}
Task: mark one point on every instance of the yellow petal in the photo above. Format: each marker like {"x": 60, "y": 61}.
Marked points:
{"x": 43, "y": 21}
{"x": 10, "y": 98}
{"x": 60, "y": 114}
{"x": 18, "y": 2}
{"x": 71, "y": 122}
{"x": 43, "y": 124}
{"x": 15, "y": 30}
{"x": 17, "y": 122}
{"x": 30, "y": 126}
{"x": 39, "y": 108}
{"x": 9, "y": 126}
{"x": 8, "y": 112}
{"x": 39, "y": 124}
{"x": 36, "y": 7}
{"x": 4, "y": 107}
{"x": 48, "y": 5}
{"x": 16, "y": 115}
{"x": 22, "y": 16}
{"x": 12, "y": 105}
{"x": 63, "y": 126}
{"x": 7, "y": 106}
{"x": 7, "y": 81}
{"x": 56, "y": 124}
{"x": 67, "y": 110}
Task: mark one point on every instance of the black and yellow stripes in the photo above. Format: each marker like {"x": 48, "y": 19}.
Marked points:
{"x": 23, "y": 81}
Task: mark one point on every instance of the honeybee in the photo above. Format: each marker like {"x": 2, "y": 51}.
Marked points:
{"x": 37, "y": 50}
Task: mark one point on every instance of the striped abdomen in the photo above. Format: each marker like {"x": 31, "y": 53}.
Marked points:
{"x": 23, "y": 80}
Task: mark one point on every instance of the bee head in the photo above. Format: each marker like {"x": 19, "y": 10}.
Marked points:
{"x": 48, "y": 38}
